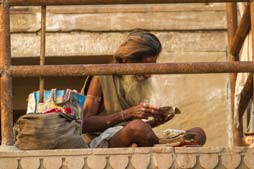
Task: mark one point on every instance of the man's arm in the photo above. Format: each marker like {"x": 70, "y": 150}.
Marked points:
{"x": 93, "y": 122}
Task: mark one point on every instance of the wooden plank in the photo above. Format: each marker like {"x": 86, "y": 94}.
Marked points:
{"x": 85, "y": 43}
{"x": 163, "y": 21}
{"x": 137, "y": 8}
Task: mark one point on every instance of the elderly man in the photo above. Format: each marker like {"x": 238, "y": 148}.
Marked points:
{"x": 115, "y": 105}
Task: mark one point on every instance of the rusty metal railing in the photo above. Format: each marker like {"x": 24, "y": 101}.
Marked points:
{"x": 43, "y": 48}
{"x": 153, "y": 68}
{"x": 8, "y": 71}
{"x": 6, "y": 78}
{"x": 232, "y": 28}
{"x": 108, "y": 2}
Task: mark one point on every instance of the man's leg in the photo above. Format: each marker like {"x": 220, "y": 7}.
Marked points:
{"x": 135, "y": 132}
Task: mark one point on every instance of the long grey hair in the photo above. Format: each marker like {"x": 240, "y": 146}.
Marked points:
{"x": 138, "y": 44}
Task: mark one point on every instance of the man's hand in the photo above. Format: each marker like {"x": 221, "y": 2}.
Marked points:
{"x": 141, "y": 111}
{"x": 161, "y": 118}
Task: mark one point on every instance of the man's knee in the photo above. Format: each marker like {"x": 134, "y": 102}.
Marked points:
{"x": 137, "y": 126}
{"x": 142, "y": 131}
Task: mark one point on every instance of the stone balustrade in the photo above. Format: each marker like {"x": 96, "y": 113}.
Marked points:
{"x": 159, "y": 157}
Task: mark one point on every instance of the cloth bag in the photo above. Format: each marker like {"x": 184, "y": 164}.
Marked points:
{"x": 37, "y": 131}
{"x": 65, "y": 101}
{"x": 55, "y": 123}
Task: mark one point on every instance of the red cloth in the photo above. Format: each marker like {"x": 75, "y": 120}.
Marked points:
{"x": 66, "y": 110}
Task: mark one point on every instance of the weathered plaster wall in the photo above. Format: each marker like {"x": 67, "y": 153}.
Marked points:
{"x": 189, "y": 33}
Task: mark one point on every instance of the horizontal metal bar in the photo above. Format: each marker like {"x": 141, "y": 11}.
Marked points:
{"x": 241, "y": 33}
{"x": 151, "y": 68}
{"x": 108, "y": 2}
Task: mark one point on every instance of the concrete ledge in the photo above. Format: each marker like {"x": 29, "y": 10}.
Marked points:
{"x": 139, "y": 158}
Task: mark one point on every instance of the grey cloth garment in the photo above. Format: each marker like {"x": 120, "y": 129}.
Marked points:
{"x": 102, "y": 141}
{"x": 47, "y": 131}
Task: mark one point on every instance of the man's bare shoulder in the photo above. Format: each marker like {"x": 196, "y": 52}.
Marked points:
{"x": 95, "y": 86}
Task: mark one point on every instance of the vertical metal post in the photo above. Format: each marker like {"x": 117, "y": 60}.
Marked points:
{"x": 6, "y": 79}
{"x": 232, "y": 27}
{"x": 42, "y": 51}
{"x": 252, "y": 48}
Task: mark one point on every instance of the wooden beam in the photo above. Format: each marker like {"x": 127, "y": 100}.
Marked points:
{"x": 241, "y": 33}
{"x": 245, "y": 95}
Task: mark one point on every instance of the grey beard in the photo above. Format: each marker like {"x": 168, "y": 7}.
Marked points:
{"x": 136, "y": 89}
